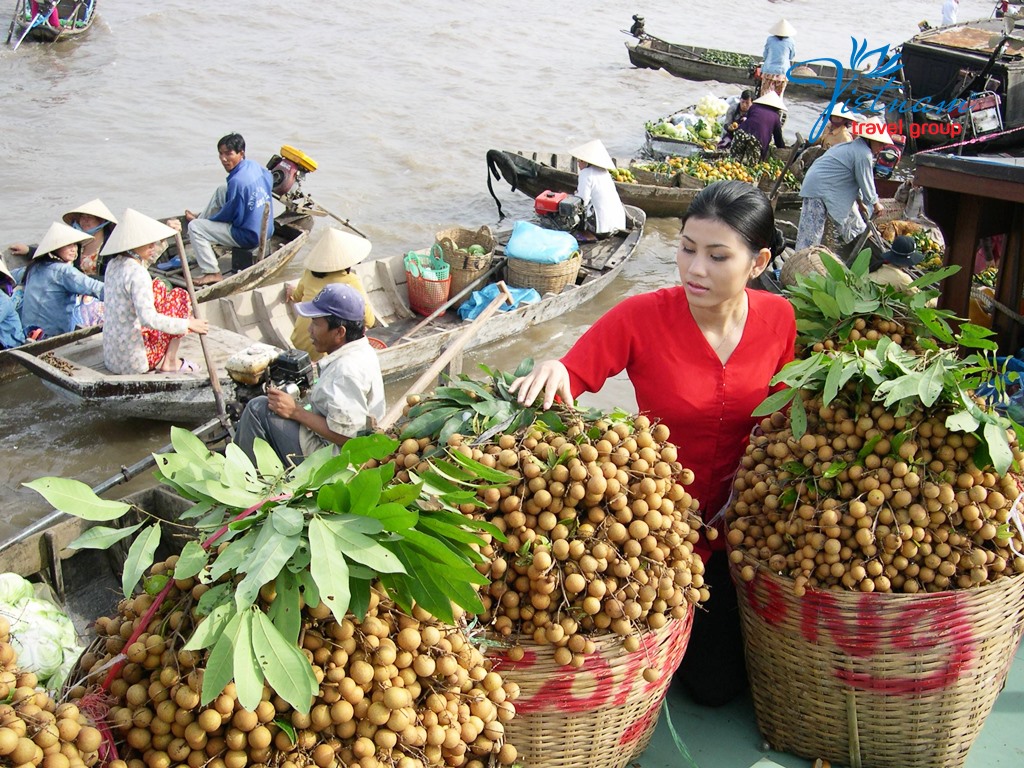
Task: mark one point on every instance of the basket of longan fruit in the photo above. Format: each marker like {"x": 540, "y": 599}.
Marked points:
{"x": 591, "y": 593}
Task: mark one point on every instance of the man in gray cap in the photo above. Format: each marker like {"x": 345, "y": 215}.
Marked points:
{"x": 347, "y": 398}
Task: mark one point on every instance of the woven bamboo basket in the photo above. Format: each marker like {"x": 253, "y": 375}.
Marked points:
{"x": 601, "y": 715}
{"x": 806, "y": 262}
{"x": 877, "y": 680}
{"x": 546, "y": 278}
{"x": 464, "y": 267}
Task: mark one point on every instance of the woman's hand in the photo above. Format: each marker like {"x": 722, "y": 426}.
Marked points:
{"x": 18, "y": 249}
{"x": 550, "y": 377}
{"x": 289, "y": 292}
{"x": 198, "y": 325}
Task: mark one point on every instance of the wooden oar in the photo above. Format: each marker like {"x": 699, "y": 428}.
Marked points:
{"x": 450, "y": 351}
{"x": 340, "y": 220}
{"x": 218, "y": 396}
{"x": 451, "y": 302}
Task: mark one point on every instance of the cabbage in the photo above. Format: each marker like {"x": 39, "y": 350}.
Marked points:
{"x": 44, "y": 639}
{"x": 14, "y": 588}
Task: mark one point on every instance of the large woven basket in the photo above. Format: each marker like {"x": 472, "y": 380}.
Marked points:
{"x": 598, "y": 716}
{"x": 466, "y": 268}
{"x": 546, "y": 278}
{"x": 806, "y": 262}
{"x": 877, "y": 680}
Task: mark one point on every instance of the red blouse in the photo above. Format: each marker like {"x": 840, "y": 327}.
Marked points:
{"x": 679, "y": 379}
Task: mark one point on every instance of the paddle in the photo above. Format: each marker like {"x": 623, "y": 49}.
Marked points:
{"x": 340, "y": 220}
{"x": 451, "y": 302}
{"x": 40, "y": 14}
{"x": 450, "y": 351}
{"x": 218, "y": 396}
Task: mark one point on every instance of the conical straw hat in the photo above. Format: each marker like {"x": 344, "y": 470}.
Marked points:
{"x": 93, "y": 208}
{"x": 4, "y": 270}
{"x": 880, "y": 132}
{"x": 337, "y": 250}
{"x": 594, "y": 153}
{"x": 771, "y": 99}
{"x": 782, "y": 28}
{"x": 135, "y": 230}
{"x": 57, "y": 236}
{"x": 841, "y": 110}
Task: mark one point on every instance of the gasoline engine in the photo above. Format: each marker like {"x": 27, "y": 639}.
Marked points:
{"x": 558, "y": 210}
{"x": 288, "y": 169}
{"x": 260, "y": 366}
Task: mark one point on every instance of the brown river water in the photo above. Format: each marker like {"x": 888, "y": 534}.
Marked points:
{"x": 398, "y": 102}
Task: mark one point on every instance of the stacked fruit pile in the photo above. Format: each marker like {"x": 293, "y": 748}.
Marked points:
{"x": 624, "y": 175}
{"x": 34, "y": 730}
{"x": 599, "y": 526}
{"x": 730, "y": 168}
{"x": 888, "y": 474}
{"x": 394, "y": 690}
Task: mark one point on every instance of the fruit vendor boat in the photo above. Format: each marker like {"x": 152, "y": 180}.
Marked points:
{"x": 532, "y": 173}
{"x": 405, "y": 341}
{"x": 30, "y": 21}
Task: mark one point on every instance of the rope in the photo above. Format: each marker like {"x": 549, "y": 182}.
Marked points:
{"x": 984, "y": 298}
{"x": 986, "y": 137}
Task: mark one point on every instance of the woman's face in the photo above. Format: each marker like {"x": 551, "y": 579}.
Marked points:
{"x": 87, "y": 221}
{"x": 67, "y": 253}
{"x": 147, "y": 252}
{"x": 715, "y": 263}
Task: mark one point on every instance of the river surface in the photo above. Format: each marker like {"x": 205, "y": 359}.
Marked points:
{"x": 398, "y": 102}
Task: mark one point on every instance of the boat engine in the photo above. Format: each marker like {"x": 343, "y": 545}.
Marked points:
{"x": 260, "y": 366}
{"x": 288, "y": 169}
{"x": 558, "y": 210}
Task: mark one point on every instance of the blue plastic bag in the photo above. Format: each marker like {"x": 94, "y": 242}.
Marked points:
{"x": 479, "y": 300}
{"x": 541, "y": 246}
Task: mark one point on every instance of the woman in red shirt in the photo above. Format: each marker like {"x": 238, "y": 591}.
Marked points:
{"x": 700, "y": 357}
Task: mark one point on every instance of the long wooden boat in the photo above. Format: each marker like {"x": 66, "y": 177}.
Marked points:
{"x": 532, "y": 173}
{"x": 693, "y": 62}
{"x": 291, "y": 230}
{"x": 76, "y": 16}
{"x": 405, "y": 343}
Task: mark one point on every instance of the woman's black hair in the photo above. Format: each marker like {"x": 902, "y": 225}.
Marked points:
{"x": 322, "y": 275}
{"x": 743, "y": 208}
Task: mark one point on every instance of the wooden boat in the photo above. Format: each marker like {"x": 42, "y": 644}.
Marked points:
{"x": 405, "y": 343}
{"x": 291, "y": 230}
{"x": 692, "y": 62}
{"x": 532, "y": 173}
{"x": 76, "y": 16}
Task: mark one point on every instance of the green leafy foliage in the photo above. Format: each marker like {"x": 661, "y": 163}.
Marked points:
{"x": 321, "y": 531}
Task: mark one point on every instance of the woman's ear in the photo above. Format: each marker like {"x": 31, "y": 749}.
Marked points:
{"x": 761, "y": 260}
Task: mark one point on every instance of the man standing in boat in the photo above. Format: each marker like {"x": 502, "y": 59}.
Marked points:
{"x": 347, "y": 397}
{"x": 234, "y": 215}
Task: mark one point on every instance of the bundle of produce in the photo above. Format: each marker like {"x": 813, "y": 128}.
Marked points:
{"x": 987, "y": 277}
{"x": 34, "y": 729}
{"x": 300, "y": 631}
{"x": 624, "y": 175}
{"x": 41, "y": 633}
{"x": 705, "y": 132}
{"x": 599, "y": 526}
{"x": 728, "y": 58}
{"x": 874, "y": 533}
{"x": 730, "y": 168}
{"x": 711, "y": 107}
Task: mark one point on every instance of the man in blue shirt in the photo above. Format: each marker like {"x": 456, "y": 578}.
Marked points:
{"x": 235, "y": 212}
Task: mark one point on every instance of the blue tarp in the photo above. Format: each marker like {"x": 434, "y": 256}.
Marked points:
{"x": 476, "y": 303}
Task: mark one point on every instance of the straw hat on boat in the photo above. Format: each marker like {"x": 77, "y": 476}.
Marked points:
{"x": 877, "y": 132}
{"x": 594, "y": 153}
{"x": 134, "y": 231}
{"x": 57, "y": 236}
{"x": 841, "y": 110}
{"x": 771, "y": 99}
{"x": 782, "y": 28}
{"x": 337, "y": 250}
{"x": 92, "y": 208}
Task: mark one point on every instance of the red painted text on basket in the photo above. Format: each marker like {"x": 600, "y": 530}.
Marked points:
{"x": 866, "y": 631}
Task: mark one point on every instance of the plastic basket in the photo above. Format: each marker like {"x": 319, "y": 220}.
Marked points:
{"x": 465, "y": 267}
{"x": 601, "y": 715}
{"x": 872, "y": 679}
{"x": 428, "y": 279}
{"x": 545, "y": 278}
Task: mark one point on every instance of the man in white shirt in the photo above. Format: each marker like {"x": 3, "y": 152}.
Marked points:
{"x": 949, "y": 11}
{"x": 347, "y": 398}
{"x": 597, "y": 190}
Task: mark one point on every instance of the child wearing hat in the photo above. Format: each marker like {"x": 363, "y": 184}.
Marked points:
{"x": 330, "y": 261}
{"x": 52, "y": 284}
{"x": 779, "y": 53}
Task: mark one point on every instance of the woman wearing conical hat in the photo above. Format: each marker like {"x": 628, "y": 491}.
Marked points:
{"x": 330, "y": 261}
{"x": 144, "y": 321}
{"x": 94, "y": 219}
{"x": 52, "y": 284}
{"x": 779, "y": 53}
{"x": 11, "y": 332}
{"x": 605, "y": 214}
{"x": 764, "y": 122}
